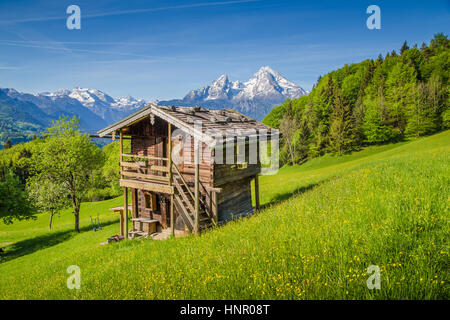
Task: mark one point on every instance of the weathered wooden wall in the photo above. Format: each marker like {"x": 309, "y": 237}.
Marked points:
{"x": 151, "y": 140}
{"x": 235, "y": 198}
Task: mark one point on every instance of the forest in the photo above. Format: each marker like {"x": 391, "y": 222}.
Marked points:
{"x": 396, "y": 97}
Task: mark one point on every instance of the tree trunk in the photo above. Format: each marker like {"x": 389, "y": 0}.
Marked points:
{"x": 77, "y": 222}
{"x": 51, "y": 218}
{"x": 291, "y": 152}
{"x": 76, "y": 212}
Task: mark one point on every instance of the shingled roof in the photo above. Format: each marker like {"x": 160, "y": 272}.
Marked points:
{"x": 218, "y": 121}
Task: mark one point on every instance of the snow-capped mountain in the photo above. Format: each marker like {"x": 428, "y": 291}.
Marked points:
{"x": 23, "y": 115}
{"x": 100, "y": 103}
{"x": 255, "y": 97}
{"x": 95, "y": 108}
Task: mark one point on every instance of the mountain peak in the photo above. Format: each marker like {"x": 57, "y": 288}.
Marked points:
{"x": 268, "y": 70}
{"x": 222, "y": 78}
{"x": 254, "y": 97}
{"x": 98, "y": 102}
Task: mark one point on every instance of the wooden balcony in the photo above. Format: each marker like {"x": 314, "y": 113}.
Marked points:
{"x": 142, "y": 173}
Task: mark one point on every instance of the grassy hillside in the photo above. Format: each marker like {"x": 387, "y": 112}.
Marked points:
{"x": 322, "y": 225}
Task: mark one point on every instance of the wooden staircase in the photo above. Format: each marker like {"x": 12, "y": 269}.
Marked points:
{"x": 184, "y": 202}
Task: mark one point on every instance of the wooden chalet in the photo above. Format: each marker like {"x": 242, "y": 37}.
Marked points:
{"x": 169, "y": 167}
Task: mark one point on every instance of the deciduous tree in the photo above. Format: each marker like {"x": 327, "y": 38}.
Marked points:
{"x": 14, "y": 203}
{"x": 68, "y": 158}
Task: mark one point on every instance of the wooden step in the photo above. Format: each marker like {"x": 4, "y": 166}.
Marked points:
{"x": 184, "y": 213}
{"x": 144, "y": 220}
{"x": 133, "y": 234}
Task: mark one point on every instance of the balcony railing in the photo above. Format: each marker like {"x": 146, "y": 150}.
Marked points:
{"x": 142, "y": 168}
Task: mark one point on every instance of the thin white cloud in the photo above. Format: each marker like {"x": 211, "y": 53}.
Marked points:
{"x": 3, "y": 67}
{"x": 87, "y": 43}
{"x": 146, "y": 58}
{"x": 124, "y": 12}
{"x": 38, "y": 46}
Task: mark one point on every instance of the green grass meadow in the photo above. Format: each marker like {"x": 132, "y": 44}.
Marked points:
{"x": 322, "y": 224}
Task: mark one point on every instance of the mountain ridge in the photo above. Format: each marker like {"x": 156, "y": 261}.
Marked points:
{"x": 23, "y": 115}
{"x": 255, "y": 97}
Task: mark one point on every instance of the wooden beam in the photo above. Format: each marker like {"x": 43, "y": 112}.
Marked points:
{"x": 169, "y": 156}
{"x": 136, "y": 117}
{"x": 142, "y": 157}
{"x": 172, "y": 217}
{"x": 134, "y": 165}
{"x": 133, "y": 203}
{"x": 121, "y": 223}
{"x": 125, "y": 206}
{"x": 197, "y": 184}
{"x": 144, "y": 176}
{"x": 121, "y": 146}
{"x": 213, "y": 189}
{"x": 155, "y": 187}
{"x": 160, "y": 168}
{"x": 256, "y": 192}
{"x": 169, "y": 152}
{"x": 215, "y": 206}
{"x": 130, "y": 165}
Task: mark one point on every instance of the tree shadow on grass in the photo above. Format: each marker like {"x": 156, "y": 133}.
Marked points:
{"x": 34, "y": 244}
{"x": 281, "y": 197}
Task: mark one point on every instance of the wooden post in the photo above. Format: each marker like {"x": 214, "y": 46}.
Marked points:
{"x": 121, "y": 222}
{"x": 121, "y": 152}
{"x": 169, "y": 152}
{"x": 258, "y": 163}
{"x": 125, "y": 210}
{"x": 133, "y": 203}
{"x": 197, "y": 184}
{"x": 172, "y": 217}
{"x": 210, "y": 205}
{"x": 216, "y": 207}
{"x": 169, "y": 156}
{"x": 256, "y": 192}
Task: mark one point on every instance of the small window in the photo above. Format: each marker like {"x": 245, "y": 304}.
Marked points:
{"x": 150, "y": 201}
{"x": 147, "y": 201}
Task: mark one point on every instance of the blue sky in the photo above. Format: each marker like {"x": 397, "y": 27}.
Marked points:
{"x": 163, "y": 49}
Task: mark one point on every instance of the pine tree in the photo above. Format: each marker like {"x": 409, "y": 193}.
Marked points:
{"x": 404, "y": 48}
{"x": 380, "y": 58}
{"x": 425, "y": 51}
{"x": 341, "y": 133}
{"x": 7, "y": 144}
{"x": 322, "y": 110}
